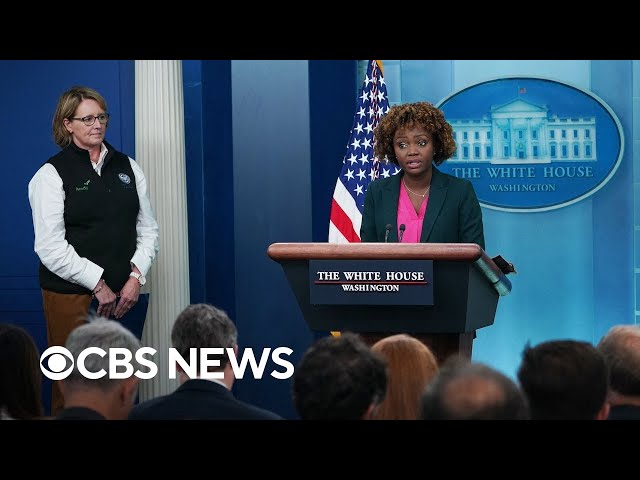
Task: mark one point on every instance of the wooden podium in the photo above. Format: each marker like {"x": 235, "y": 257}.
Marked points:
{"x": 466, "y": 285}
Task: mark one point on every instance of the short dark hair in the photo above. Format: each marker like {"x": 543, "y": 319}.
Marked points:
{"x": 338, "y": 378}
{"x": 201, "y": 325}
{"x": 564, "y": 380}
{"x": 465, "y": 390}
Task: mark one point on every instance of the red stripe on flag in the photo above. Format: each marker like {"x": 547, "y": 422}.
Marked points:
{"x": 343, "y": 223}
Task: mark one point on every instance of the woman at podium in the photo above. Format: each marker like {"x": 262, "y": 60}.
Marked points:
{"x": 420, "y": 203}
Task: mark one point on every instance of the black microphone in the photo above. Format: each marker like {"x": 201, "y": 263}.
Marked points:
{"x": 386, "y": 234}
{"x": 402, "y": 227}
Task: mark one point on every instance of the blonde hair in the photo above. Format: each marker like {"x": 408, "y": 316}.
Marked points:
{"x": 67, "y": 105}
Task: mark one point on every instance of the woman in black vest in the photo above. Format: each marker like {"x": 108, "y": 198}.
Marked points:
{"x": 95, "y": 231}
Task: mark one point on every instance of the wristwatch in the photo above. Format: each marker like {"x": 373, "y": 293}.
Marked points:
{"x": 139, "y": 277}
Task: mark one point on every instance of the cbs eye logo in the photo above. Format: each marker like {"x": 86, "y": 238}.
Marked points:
{"x": 55, "y": 364}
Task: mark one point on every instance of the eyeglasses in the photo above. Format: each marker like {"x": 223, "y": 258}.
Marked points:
{"x": 91, "y": 119}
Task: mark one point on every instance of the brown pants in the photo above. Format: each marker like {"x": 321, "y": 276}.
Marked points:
{"x": 63, "y": 312}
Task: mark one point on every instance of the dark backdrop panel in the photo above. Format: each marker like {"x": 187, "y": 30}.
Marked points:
{"x": 272, "y": 190}
{"x": 332, "y": 105}
{"x": 194, "y": 152}
{"x": 209, "y": 152}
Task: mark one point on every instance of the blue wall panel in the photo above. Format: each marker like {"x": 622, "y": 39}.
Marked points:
{"x": 272, "y": 199}
{"x": 210, "y": 197}
{"x": 613, "y": 223}
{"x": 194, "y": 153}
{"x": 425, "y": 80}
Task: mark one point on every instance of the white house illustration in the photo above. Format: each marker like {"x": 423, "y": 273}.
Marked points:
{"x": 520, "y": 132}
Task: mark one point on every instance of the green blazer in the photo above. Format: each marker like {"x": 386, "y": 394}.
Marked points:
{"x": 453, "y": 213}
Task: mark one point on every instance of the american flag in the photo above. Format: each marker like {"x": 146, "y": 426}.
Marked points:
{"x": 359, "y": 167}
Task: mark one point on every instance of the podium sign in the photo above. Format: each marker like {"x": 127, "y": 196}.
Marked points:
{"x": 371, "y": 282}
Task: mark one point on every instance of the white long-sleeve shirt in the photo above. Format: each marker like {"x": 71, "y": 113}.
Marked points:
{"x": 47, "y": 196}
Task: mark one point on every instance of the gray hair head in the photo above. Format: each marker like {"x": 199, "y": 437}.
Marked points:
{"x": 105, "y": 334}
{"x": 621, "y": 349}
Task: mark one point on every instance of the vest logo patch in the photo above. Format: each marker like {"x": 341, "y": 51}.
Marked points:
{"x": 124, "y": 178}
{"x": 84, "y": 188}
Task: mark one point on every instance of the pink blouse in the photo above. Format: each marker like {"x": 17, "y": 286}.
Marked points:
{"x": 407, "y": 215}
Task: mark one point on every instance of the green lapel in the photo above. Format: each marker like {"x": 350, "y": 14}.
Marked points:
{"x": 390, "y": 202}
{"x": 437, "y": 194}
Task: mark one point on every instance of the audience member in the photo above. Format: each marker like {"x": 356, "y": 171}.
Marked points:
{"x": 339, "y": 378}
{"x": 565, "y": 380}
{"x": 102, "y": 398}
{"x": 20, "y": 375}
{"x": 410, "y": 367}
{"x": 202, "y": 326}
{"x": 621, "y": 350}
{"x": 465, "y": 390}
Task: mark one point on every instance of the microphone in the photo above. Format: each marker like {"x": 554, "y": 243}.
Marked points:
{"x": 402, "y": 227}
{"x": 386, "y": 234}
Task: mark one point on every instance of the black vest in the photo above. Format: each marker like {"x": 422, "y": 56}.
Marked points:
{"x": 100, "y": 213}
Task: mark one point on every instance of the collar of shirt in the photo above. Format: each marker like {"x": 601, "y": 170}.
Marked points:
{"x": 103, "y": 153}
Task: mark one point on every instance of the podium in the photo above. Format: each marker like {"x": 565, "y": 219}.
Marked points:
{"x": 463, "y": 289}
